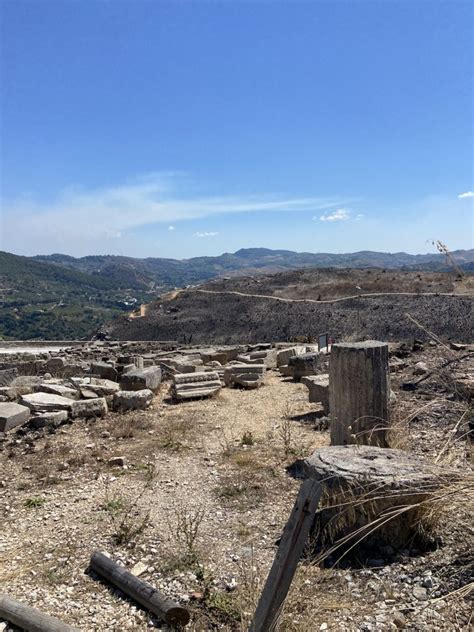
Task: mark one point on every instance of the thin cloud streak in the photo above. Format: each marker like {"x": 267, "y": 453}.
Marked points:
{"x": 466, "y": 194}
{"x": 91, "y": 216}
{"x": 204, "y": 234}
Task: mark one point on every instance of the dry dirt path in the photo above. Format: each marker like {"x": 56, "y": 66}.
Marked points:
{"x": 332, "y": 300}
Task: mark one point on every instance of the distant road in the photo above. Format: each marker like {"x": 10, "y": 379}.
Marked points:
{"x": 331, "y": 300}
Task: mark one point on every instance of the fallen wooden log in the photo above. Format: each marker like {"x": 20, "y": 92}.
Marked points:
{"x": 29, "y": 618}
{"x": 146, "y": 595}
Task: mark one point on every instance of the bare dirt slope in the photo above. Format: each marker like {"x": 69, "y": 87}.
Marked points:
{"x": 203, "y": 498}
{"x": 301, "y": 304}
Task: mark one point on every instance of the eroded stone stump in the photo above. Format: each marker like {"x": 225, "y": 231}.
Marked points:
{"x": 359, "y": 393}
{"x": 373, "y": 494}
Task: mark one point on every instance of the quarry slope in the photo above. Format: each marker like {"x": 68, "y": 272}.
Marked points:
{"x": 300, "y": 304}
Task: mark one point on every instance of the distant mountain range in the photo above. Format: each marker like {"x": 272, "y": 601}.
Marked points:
{"x": 58, "y": 296}
{"x": 166, "y": 273}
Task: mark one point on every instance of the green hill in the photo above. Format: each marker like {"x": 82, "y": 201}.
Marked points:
{"x": 45, "y": 301}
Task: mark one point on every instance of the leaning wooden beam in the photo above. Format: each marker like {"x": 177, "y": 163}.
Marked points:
{"x": 144, "y": 593}
{"x": 29, "y": 618}
{"x": 286, "y": 560}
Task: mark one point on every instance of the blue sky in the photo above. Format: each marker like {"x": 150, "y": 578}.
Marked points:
{"x": 179, "y": 129}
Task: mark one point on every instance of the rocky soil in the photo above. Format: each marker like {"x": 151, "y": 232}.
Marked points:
{"x": 193, "y": 497}
{"x": 375, "y": 305}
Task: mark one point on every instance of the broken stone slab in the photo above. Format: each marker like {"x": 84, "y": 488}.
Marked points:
{"x": 54, "y": 365}
{"x": 396, "y": 364}
{"x": 24, "y": 384}
{"x": 306, "y": 364}
{"x": 136, "y": 360}
{"x": 12, "y": 415}
{"x": 193, "y": 385}
{"x": 141, "y": 378}
{"x": 43, "y": 402}
{"x": 318, "y": 386}
{"x": 89, "y": 408}
{"x": 54, "y": 419}
{"x": 245, "y": 375}
{"x": 284, "y": 355}
{"x": 7, "y": 394}
{"x": 101, "y": 387}
{"x": 133, "y": 400}
{"x": 363, "y": 484}
{"x": 457, "y": 346}
{"x": 246, "y": 359}
{"x": 7, "y": 376}
{"x": 420, "y": 368}
{"x": 58, "y": 389}
{"x": 104, "y": 370}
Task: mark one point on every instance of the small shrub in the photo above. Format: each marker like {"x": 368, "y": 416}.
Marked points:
{"x": 247, "y": 438}
{"x": 34, "y": 502}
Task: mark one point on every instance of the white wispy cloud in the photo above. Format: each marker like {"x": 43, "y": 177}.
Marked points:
{"x": 81, "y": 219}
{"x": 205, "y": 234}
{"x": 340, "y": 215}
{"x": 466, "y": 194}
{"x": 359, "y": 216}
{"x": 170, "y": 228}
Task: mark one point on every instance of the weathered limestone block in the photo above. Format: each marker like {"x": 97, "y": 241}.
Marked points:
{"x": 7, "y": 394}
{"x": 137, "y": 361}
{"x": 99, "y": 386}
{"x": 24, "y": 384}
{"x": 318, "y": 386}
{"x": 192, "y": 385}
{"x": 104, "y": 370}
{"x": 7, "y": 376}
{"x": 58, "y": 389}
{"x": 54, "y": 419}
{"x": 362, "y": 484}
{"x": 12, "y": 415}
{"x": 141, "y": 378}
{"x": 133, "y": 400}
{"x": 44, "y": 402}
{"x": 246, "y": 359}
{"x": 359, "y": 393}
{"x": 89, "y": 408}
{"x": 305, "y": 364}
{"x": 54, "y": 365}
{"x": 284, "y": 355}
{"x": 245, "y": 375}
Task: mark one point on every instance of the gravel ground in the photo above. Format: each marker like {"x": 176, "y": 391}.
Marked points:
{"x": 201, "y": 501}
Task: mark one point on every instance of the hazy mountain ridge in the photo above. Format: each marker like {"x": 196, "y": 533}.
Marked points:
{"x": 59, "y": 296}
{"x": 176, "y": 272}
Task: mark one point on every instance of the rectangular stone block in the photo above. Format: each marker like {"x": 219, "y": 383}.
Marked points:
{"x": 141, "y": 378}
{"x": 12, "y": 415}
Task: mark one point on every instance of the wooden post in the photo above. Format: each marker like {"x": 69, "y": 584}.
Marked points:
{"x": 29, "y": 618}
{"x": 359, "y": 392}
{"x": 286, "y": 560}
{"x": 141, "y": 591}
